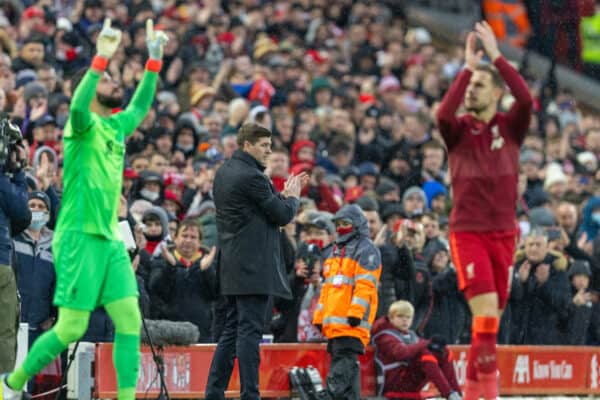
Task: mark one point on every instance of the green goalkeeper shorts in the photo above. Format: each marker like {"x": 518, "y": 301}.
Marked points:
{"x": 91, "y": 271}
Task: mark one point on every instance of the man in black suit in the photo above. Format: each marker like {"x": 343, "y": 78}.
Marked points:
{"x": 249, "y": 216}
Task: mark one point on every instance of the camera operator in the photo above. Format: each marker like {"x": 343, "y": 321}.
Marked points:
{"x": 293, "y": 321}
{"x": 14, "y": 218}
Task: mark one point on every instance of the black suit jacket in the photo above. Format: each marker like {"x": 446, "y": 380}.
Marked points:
{"x": 249, "y": 216}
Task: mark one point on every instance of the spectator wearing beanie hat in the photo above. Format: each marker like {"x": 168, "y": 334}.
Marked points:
{"x": 387, "y": 191}
{"x": 414, "y": 201}
{"x": 34, "y": 268}
{"x": 303, "y": 151}
{"x": 369, "y": 175}
{"x": 321, "y": 91}
{"x": 555, "y": 183}
{"x": 437, "y": 195}
{"x": 24, "y": 76}
{"x": 583, "y": 325}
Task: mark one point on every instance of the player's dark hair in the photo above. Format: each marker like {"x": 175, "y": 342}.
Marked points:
{"x": 76, "y": 79}
{"x": 497, "y": 80}
{"x": 251, "y": 133}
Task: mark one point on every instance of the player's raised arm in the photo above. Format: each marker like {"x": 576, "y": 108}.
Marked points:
{"x": 142, "y": 99}
{"x": 520, "y": 112}
{"x": 106, "y": 45}
{"x": 446, "y": 114}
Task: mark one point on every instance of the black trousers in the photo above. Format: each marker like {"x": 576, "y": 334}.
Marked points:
{"x": 343, "y": 380}
{"x": 241, "y": 337}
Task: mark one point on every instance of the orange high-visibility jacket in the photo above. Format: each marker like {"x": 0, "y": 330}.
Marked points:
{"x": 508, "y": 19}
{"x": 351, "y": 273}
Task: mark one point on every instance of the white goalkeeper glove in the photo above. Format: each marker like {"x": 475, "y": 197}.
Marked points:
{"x": 108, "y": 40}
{"x": 155, "y": 41}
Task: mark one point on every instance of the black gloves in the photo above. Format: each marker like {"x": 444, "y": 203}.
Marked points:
{"x": 319, "y": 327}
{"x": 437, "y": 344}
{"x": 353, "y": 321}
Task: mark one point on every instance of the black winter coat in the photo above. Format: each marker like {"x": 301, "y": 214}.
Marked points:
{"x": 582, "y": 324}
{"x": 249, "y": 216}
{"x": 449, "y": 313}
{"x": 187, "y": 293}
{"x": 539, "y": 311}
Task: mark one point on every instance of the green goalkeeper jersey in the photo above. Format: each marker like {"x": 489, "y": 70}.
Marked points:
{"x": 94, "y": 152}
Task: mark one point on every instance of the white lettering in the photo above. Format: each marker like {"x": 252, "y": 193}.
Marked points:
{"x": 594, "y": 372}
{"x": 552, "y": 370}
{"x": 521, "y": 370}
{"x": 460, "y": 366}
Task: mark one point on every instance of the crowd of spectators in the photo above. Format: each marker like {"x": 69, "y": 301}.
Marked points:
{"x": 350, "y": 92}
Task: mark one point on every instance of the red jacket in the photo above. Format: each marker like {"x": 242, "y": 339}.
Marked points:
{"x": 484, "y": 157}
{"x": 395, "y": 351}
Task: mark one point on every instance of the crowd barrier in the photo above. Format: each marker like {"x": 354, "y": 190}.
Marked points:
{"x": 524, "y": 370}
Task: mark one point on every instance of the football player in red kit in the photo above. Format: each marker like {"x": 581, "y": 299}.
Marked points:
{"x": 483, "y": 152}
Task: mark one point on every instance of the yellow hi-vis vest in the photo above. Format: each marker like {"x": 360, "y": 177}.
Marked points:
{"x": 590, "y": 33}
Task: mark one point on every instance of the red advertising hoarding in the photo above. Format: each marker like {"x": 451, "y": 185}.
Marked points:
{"x": 524, "y": 370}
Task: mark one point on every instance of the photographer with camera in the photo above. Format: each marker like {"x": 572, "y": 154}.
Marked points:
{"x": 406, "y": 361}
{"x": 14, "y": 218}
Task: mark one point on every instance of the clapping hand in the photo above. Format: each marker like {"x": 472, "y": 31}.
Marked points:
{"x": 472, "y": 55}
{"x": 108, "y": 40}
{"x": 486, "y": 35}
{"x": 155, "y": 41}
{"x": 207, "y": 260}
{"x": 542, "y": 273}
{"x": 294, "y": 184}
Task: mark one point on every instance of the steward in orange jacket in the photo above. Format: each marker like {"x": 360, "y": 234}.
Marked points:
{"x": 348, "y": 300}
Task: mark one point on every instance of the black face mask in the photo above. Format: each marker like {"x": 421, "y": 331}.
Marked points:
{"x": 153, "y": 238}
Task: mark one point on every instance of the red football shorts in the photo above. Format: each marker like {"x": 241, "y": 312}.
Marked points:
{"x": 484, "y": 262}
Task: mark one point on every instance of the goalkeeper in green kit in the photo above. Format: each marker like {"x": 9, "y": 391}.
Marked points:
{"x": 92, "y": 265}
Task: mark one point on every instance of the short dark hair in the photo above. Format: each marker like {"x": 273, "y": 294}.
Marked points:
{"x": 250, "y": 132}
{"x": 339, "y": 146}
{"x": 189, "y": 223}
{"x": 77, "y": 78}
{"x": 497, "y": 80}
{"x": 35, "y": 38}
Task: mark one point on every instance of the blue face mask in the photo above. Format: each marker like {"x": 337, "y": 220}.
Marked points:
{"x": 596, "y": 218}
{"x": 38, "y": 220}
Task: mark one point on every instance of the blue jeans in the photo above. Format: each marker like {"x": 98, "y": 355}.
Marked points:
{"x": 241, "y": 337}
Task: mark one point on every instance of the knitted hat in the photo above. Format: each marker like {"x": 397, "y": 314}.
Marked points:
{"x": 33, "y": 89}
{"x": 434, "y": 189}
{"x": 37, "y": 194}
{"x": 580, "y": 267}
{"x": 554, "y": 174}
{"x": 414, "y": 190}
{"x": 541, "y": 216}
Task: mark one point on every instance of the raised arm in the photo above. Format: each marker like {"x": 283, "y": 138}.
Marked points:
{"x": 106, "y": 45}
{"x": 446, "y": 115}
{"x": 520, "y": 112}
{"x": 140, "y": 104}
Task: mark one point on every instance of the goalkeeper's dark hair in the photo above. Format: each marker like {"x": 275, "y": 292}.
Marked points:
{"x": 76, "y": 79}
